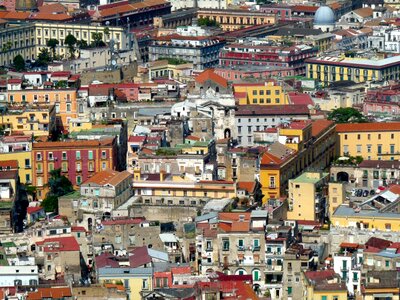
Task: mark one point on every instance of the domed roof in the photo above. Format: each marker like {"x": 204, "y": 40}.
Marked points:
{"x": 324, "y": 16}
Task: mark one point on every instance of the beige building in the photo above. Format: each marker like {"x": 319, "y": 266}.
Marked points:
{"x": 161, "y": 68}
{"x": 27, "y": 39}
{"x": 306, "y": 197}
{"x": 336, "y": 195}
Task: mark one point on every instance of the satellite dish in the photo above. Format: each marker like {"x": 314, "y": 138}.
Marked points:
{"x": 113, "y": 62}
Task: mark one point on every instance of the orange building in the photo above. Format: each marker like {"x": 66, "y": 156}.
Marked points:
{"x": 64, "y": 101}
{"x": 77, "y": 159}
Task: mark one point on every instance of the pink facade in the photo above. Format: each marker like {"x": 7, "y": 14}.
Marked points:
{"x": 282, "y": 13}
{"x": 232, "y": 74}
{"x": 381, "y": 107}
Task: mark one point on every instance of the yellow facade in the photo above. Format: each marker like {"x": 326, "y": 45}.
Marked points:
{"x": 268, "y": 190}
{"x": 303, "y": 199}
{"x": 372, "y": 141}
{"x": 336, "y": 196}
{"x": 24, "y": 163}
{"x": 325, "y": 295}
{"x": 162, "y": 68}
{"x": 296, "y": 136}
{"x": 36, "y": 121}
{"x": 135, "y": 285}
{"x": 269, "y": 93}
{"x": 64, "y": 101}
{"x": 391, "y": 293}
{"x": 374, "y": 223}
{"x": 356, "y": 69}
{"x": 231, "y": 20}
{"x": 76, "y": 125}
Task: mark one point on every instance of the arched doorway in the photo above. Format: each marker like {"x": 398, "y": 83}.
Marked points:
{"x": 342, "y": 176}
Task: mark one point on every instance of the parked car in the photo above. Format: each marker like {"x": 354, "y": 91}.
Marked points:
{"x": 365, "y": 193}
{"x": 359, "y": 193}
{"x": 372, "y": 192}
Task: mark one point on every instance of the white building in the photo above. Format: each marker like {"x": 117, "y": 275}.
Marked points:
{"x": 19, "y": 271}
{"x": 385, "y": 40}
{"x": 348, "y": 266}
{"x": 180, "y": 4}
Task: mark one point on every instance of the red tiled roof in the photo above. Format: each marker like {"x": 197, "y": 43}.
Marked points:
{"x": 31, "y": 210}
{"x": 14, "y": 15}
{"x": 357, "y": 127}
{"x": 320, "y": 126}
{"x": 14, "y": 81}
{"x": 12, "y": 163}
{"x": 300, "y": 98}
{"x": 50, "y": 293}
{"x": 78, "y": 229}
{"x": 61, "y": 74}
{"x": 106, "y": 260}
{"x": 52, "y": 8}
{"x": 349, "y": 245}
{"x": 210, "y": 75}
{"x": 192, "y": 138}
{"x": 248, "y": 186}
{"x": 73, "y": 144}
{"x": 377, "y": 243}
{"x": 136, "y": 139}
{"x": 60, "y": 244}
{"x": 269, "y": 159}
{"x": 108, "y": 177}
{"x": 51, "y": 17}
{"x": 139, "y": 257}
{"x": 305, "y": 8}
{"x": 319, "y": 275}
{"x": 181, "y": 270}
{"x": 395, "y": 189}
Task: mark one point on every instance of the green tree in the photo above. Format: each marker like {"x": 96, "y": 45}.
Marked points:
{"x": 82, "y": 44}
{"x": 346, "y": 115}
{"x": 59, "y": 185}
{"x": 70, "y": 41}
{"x": 6, "y": 46}
{"x": 44, "y": 57}
{"x": 97, "y": 38}
{"x": 207, "y": 22}
{"x": 106, "y": 31}
{"x": 19, "y": 63}
{"x": 52, "y": 44}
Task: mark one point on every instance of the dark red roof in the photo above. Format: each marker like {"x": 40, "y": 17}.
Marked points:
{"x": 59, "y": 244}
{"x": 139, "y": 257}
{"x": 300, "y": 98}
{"x": 106, "y": 260}
{"x": 378, "y": 243}
{"x": 50, "y": 293}
{"x": 31, "y": 210}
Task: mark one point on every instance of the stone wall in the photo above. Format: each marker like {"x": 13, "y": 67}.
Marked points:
{"x": 164, "y": 213}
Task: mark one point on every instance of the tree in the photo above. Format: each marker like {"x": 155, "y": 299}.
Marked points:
{"x": 97, "y": 38}
{"x": 52, "y": 44}
{"x": 70, "y": 41}
{"x": 82, "y": 44}
{"x": 6, "y": 46}
{"x": 207, "y": 22}
{"x": 19, "y": 63}
{"x": 44, "y": 57}
{"x": 106, "y": 31}
{"x": 59, "y": 186}
{"x": 346, "y": 115}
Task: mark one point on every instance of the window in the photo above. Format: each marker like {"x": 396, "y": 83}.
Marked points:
{"x": 379, "y": 149}
{"x": 358, "y": 136}
{"x": 272, "y": 182}
{"x": 103, "y": 154}
{"x": 68, "y": 107}
{"x": 324, "y": 297}
{"x": 225, "y": 244}
{"x": 387, "y": 263}
{"x": 289, "y": 290}
{"x": 64, "y": 167}
{"x": 27, "y": 163}
{"x": 392, "y": 136}
{"x": 355, "y": 276}
{"x": 145, "y": 284}
{"x": 391, "y": 149}
{"x": 78, "y": 154}
{"x": 254, "y": 92}
{"x": 78, "y": 167}
{"x": 256, "y": 275}
{"x": 118, "y": 239}
{"x": 345, "y": 148}
{"x": 50, "y": 155}
{"x": 38, "y": 156}
{"x": 241, "y": 243}
{"x": 345, "y": 136}
{"x": 358, "y": 148}
{"x": 51, "y": 167}
{"x": 90, "y": 154}
{"x": 103, "y": 166}
{"x": 64, "y": 156}
{"x": 78, "y": 180}
{"x": 369, "y": 148}
{"x": 379, "y": 136}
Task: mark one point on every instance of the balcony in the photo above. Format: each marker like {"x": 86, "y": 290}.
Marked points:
{"x": 241, "y": 248}
{"x": 209, "y": 249}
{"x": 256, "y": 248}
{"x": 272, "y": 268}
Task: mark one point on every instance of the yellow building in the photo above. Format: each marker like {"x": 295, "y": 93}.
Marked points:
{"x": 372, "y": 141}
{"x": 134, "y": 280}
{"x": 27, "y": 39}
{"x": 306, "y": 197}
{"x": 76, "y": 125}
{"x": 268, "y": 93}
{"x": 281, "y": 163}
{"x": 32, "y": 120}
{"x": 329, "y": 69}
{"x": 323, "y": 285}
{"x": 64, "y": 100}
{"x": 336, "y": 196}
{"x": 18, "y": 148}
{"x": 345, "y": 216}
{"x": 234, "y": 19}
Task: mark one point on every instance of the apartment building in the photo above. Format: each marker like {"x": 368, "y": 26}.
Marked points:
{"x": 301, "y": 144}
{"x": 78, "y": 160}
{"x": 252, "y": 121}
{"x": 266, "y": 93}
{"x": 307, "y": 197}
{"x": 18, "y": 147}
{"x": 27, "y": 39}
{"x": 30, "y": 120}
{"x": 333, "y": 68}
{"x": 371, "y": 141}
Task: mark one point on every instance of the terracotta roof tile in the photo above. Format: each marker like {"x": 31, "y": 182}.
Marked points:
{"x": 51, "y": 17}
{"x": 107, "y": 177}
{"x": 365, "y": 127}
{"x": 320, "y": 126}
{"x": 73, "y": 144}
{"x": 60, "y": 244}
{"x": 248, "y": 186}
{"x": 53, "y": 8}
{"x": 12, "y": 164}
{"x": 305, "y": 8}
{"x": 210, "y": 75}
{"x": 50, "y": 293}
{"x": 364, "y": 12}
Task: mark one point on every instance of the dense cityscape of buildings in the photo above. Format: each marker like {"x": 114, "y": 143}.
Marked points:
{"x": 202, "y": 149}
